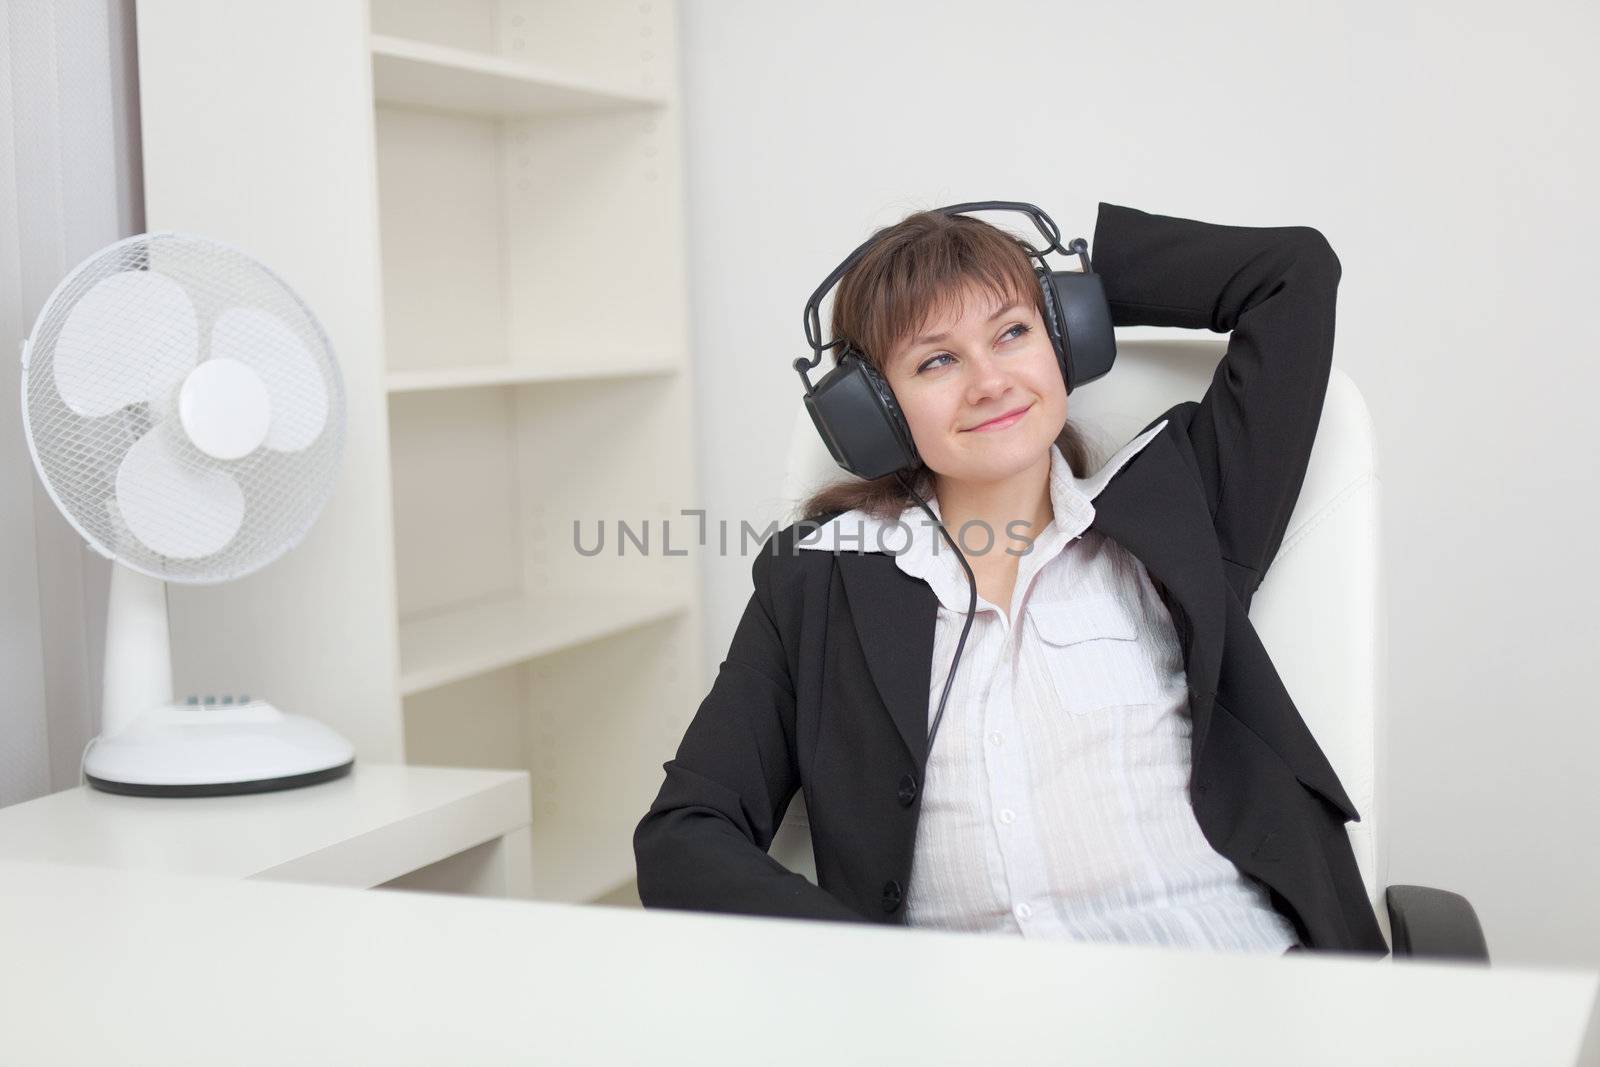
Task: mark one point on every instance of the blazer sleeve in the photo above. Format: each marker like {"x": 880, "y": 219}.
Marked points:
{"x": 703, "y": 844}
{"x": 1274, "y": 288}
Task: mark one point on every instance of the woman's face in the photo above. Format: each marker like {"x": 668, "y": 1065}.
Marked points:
{"x": 962, "y": 372}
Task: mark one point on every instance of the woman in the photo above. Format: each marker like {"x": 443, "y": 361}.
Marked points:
{"x": 1120, "y": 761}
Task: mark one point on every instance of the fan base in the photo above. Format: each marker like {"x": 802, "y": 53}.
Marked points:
{"x": 186, "y": 750}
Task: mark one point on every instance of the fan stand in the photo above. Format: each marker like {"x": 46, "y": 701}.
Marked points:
{"x": 150, "y": 746}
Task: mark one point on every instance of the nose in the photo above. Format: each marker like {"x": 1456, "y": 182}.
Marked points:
{"x": 986, "y": 380}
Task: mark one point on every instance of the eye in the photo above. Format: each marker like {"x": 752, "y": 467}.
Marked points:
{"x": 1014, "y": 331}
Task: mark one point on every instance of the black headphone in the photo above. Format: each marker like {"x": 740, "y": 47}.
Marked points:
{"x": 856, "y": 413}
{"x": 855, "y": 410}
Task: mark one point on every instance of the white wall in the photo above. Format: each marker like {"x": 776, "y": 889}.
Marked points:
{"x": 1448, "y": 151}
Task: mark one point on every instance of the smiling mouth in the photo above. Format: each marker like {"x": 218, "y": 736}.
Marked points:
{"x": 1010, "y": 418}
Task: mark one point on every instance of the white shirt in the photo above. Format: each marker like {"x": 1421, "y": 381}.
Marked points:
{"x": 1055, "y": 801}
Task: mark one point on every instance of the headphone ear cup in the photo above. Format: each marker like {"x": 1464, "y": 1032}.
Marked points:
{"x": 860, "y": 421}
{"x": 1079, "y": 316}
{"x": 891, "y": 407}
{"x": 1052, "y": 325}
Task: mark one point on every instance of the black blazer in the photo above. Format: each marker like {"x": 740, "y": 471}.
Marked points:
{"x": 825, "y": 685}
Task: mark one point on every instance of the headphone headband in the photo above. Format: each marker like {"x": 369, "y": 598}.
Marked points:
{"x": 1044, "y": 223}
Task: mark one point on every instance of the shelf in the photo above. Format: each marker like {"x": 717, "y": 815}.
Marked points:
{"x": 423, "y": 75}
{"x": 489, "y": 375}
{"x": 447, "y": 647}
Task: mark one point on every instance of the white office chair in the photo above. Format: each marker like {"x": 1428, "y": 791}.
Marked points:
{"x": 1332, "y": 659}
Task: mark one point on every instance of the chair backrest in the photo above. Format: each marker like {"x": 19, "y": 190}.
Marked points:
{"x": 1320, "y": 608}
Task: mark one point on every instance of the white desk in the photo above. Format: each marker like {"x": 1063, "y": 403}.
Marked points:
{"x": 445, "y": 829}
{"x": 114, "y": 966}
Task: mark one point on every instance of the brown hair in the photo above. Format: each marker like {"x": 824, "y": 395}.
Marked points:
{"x": 920, "y": 264}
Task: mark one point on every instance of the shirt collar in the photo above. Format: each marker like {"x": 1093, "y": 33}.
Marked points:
{"x": 920, "y": 550}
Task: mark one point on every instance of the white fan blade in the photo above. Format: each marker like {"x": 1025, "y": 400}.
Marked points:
{"x": 131, "y": 337}
{"x": 265, "y": 343}
{"x": 178, "y": 511}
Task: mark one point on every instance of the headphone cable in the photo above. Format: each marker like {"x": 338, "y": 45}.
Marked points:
{"x": 972, "y": 607}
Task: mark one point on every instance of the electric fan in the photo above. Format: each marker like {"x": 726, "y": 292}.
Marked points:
{"x": 185, "y": 412}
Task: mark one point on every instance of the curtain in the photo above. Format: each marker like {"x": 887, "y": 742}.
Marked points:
{"x": 69, "y": 184}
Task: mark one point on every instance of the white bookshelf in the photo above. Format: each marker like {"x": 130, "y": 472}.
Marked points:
{"x": 447, "y": 647}
{"x": 439, "y": 78}
{"x": 482, "y": 201}
{"x": 537, "y": 375}
{"x": 492, "y": 374}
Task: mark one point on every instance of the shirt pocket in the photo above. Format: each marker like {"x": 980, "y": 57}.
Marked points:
{"x": 1092, "y": 655}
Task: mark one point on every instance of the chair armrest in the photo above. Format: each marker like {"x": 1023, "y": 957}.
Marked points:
{"x": 1434, "y": 923}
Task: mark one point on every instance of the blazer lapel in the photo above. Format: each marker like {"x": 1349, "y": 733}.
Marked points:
{"x": 1155, "y": 510}
{"x": 900, "y": 655}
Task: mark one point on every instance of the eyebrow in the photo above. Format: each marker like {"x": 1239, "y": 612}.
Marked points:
{"x": 935, "y": 338}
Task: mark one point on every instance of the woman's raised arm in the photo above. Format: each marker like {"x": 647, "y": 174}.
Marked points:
{"x": 1275, "y": 288}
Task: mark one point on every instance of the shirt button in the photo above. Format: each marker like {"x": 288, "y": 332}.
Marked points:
{"x": 1024, "y": 910}
{"x": 892, "y": 895}
{"x": 1008, "y": 816}
{"x": 996, "y": 738}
